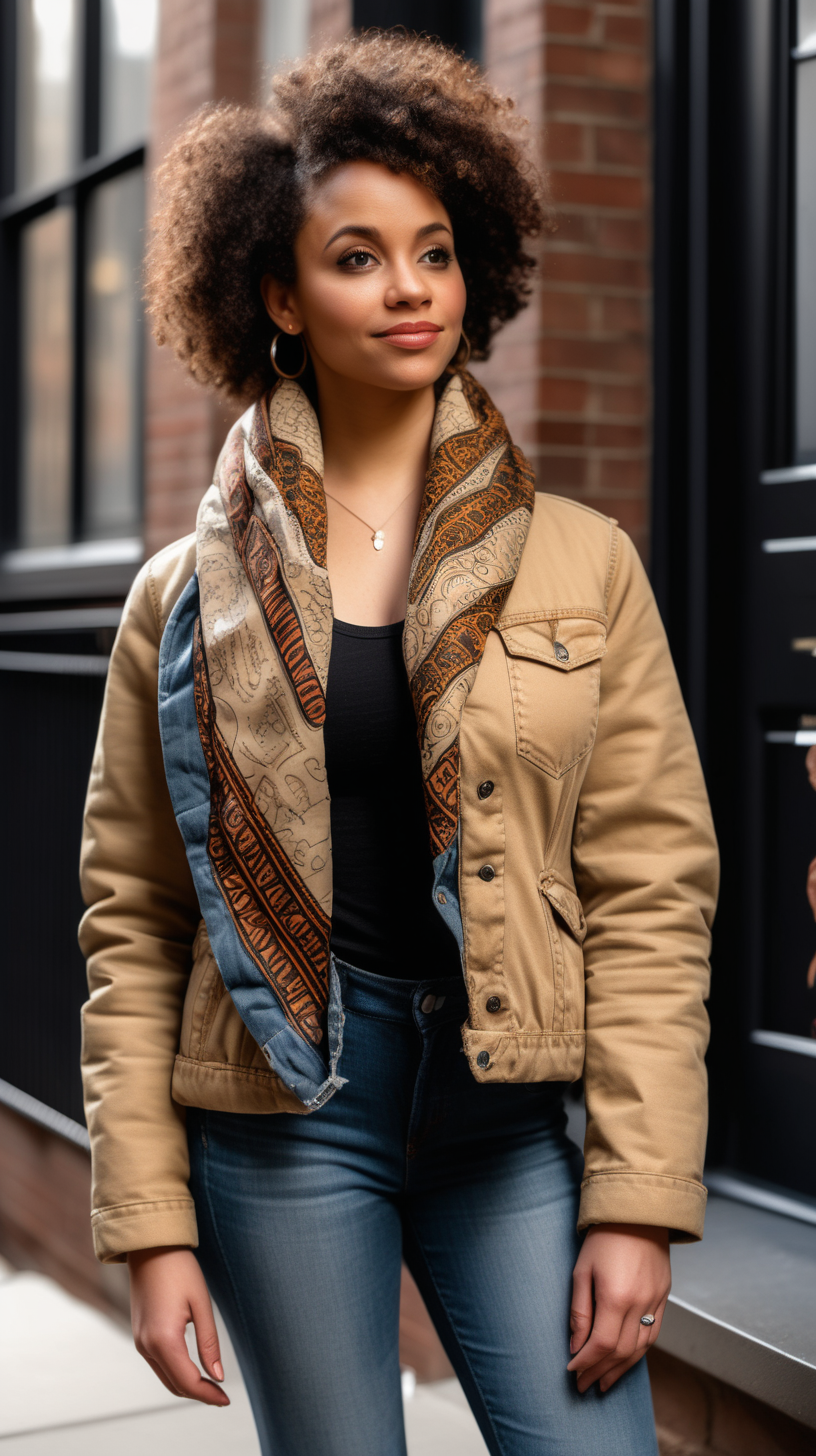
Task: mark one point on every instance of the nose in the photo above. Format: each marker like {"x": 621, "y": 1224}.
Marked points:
{"x": 407, "y": 287}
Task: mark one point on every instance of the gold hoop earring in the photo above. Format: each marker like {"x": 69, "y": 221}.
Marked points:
{"x": 273, "y": 356}
{"x": 463, "y": 363}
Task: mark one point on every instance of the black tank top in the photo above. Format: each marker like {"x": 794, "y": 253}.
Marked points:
{"x": 383, "y": 916}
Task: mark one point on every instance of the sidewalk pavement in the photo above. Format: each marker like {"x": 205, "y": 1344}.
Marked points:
{"x": 72, "y": 1384}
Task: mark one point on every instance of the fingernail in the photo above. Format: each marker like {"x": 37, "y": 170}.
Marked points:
{"x": 218, "y": 1370}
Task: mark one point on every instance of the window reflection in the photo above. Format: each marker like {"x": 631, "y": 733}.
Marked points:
{"x": 46, "y": 71}
{"x": 128, "y": 43}
{"x": 46, "y": 380}
{"x": 805, "y": 322}
{"x": 806, "y": 28}
{"x": 115, "y": 220}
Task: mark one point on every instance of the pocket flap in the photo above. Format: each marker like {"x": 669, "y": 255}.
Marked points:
{"x": 566, "y": 902}
{"x": 562, "y": 642}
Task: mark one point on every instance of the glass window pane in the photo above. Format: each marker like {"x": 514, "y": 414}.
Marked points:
{"x": 128, "y": 43}
{"x": 806, "y": 261}
{"x": 806, "y": 29}
{"x": 46, "y": 72}
{"x": 113, "y": 358}
{"x": 46, "y": 380}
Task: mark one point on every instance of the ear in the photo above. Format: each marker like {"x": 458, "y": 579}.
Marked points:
{"x": 280, "y": 304}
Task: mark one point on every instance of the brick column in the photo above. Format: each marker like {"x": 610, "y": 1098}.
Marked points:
{"x": 330, "y": 20}
{"x": 207, "y": 50}
{"x": 573, "y": 374}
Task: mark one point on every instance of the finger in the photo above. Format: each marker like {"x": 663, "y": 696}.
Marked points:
{"x": 625, "y": 1346}
{"x": 647, "y": 1334}
{"x": 157, "y": 1370}
{"x": 206, "y": 1333}
{"x": 613, "y": 1376}
{"x": 602, "y": 1343}
{"x": 581, "y": 1310}
{"x": 172, "y": 1355}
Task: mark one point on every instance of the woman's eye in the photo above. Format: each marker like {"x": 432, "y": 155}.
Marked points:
{"x": 438, "y": 255}
{"x": 357, "y": 259}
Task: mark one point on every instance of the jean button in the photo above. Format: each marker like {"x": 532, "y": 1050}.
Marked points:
{"x": 486, "y": 789}
{"x": 493, "y": 1004}
{"x": 483, "y": 1059}
{"x": 487, "y": 872}
{"x": 427, "y": 1004}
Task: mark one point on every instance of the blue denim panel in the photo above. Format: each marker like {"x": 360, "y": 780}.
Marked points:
{"x": 298, "y": 1064}
{"x": 446, "y": 882}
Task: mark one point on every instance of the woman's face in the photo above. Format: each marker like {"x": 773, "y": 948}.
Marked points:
{"x": 379, "y": 297}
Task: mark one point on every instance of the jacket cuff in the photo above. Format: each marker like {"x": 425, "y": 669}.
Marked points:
{"x": 119, "y": 1231}
{"x": 677, "y": 1204}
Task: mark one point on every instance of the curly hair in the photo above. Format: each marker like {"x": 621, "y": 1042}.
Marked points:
{"x": 234, "y": 193}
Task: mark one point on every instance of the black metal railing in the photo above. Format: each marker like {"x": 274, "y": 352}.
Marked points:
{"x": 52, "y": 678}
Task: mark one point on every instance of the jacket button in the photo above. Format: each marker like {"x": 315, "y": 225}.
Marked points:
{"x": 483, "y": 1059}
{"x": 493, "y": 1003}
{"x": 486, "y": 789}
{"x": 487, "y": 872}
{"x": 561, "y": 652}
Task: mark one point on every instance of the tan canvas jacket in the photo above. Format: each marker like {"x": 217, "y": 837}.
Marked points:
{"x": 593, "y": 934}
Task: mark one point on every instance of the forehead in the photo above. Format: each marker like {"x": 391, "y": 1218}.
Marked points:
{"x": 370, "y": 194}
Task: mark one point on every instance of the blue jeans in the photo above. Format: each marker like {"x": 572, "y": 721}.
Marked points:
{"x": 304, "y": 1221}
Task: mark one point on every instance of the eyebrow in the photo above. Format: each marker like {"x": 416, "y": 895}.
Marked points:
{"x": 360, "y": 231}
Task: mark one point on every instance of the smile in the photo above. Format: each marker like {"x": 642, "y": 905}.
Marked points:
{"x": 411, "y": 336}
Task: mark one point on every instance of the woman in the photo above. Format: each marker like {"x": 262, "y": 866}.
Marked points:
{"x": 396, "y": 819}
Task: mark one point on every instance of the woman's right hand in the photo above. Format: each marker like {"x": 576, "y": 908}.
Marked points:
{"x": 167, "y": 1291}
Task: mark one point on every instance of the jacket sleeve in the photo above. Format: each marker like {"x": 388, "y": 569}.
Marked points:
{"x": 137, "y": 936}
{"x": 646, "y": 869}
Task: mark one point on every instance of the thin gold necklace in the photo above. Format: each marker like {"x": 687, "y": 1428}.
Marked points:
{"x": 377, "y": 536}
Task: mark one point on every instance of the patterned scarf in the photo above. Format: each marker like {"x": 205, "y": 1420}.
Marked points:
{"x": 261, "y": 657}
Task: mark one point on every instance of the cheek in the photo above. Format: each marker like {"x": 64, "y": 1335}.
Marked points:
{"x": 456, "y": 294}
{"x": 333, "y": 307}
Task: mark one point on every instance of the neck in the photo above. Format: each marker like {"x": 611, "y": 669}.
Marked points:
{"x": 374, "y": 439}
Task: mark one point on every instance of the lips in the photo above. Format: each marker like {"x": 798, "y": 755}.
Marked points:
{"x": 416, "y": 335}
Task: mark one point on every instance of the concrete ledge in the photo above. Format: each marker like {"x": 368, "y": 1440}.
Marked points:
{"x": 741, "y": 1306}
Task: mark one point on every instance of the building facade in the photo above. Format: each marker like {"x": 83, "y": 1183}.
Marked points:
{"x": 664, "y": 372}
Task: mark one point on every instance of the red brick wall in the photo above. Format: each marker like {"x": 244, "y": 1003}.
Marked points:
{"x": 329, "y": 22}
{"x": 573, "y": 374}
{"x": 207, "y": 50}
{"x": 45, "y": 1212}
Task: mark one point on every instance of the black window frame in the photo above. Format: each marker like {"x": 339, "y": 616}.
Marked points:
{"x": 725, "y": 478}
{"x": 19, "y": 207}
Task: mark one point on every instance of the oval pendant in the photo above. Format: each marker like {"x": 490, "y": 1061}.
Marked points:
{"x": 379, "y": 540}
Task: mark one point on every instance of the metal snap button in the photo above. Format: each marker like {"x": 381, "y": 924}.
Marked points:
{"x": 486, "y": 789}
{"x": 483, "y": 1059}
{"x": 493, "y": 1004}
{"x": 560, "y": 651}
{"x": 487, "y": 872}
{"x": 427, "y": 1004}
{"x": 443, "y": 899}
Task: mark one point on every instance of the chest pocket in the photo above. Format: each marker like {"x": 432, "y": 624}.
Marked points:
{"x": 554, "y": 667}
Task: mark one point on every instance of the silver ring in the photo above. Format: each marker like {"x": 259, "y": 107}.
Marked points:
{"x": 647, "y": 1319}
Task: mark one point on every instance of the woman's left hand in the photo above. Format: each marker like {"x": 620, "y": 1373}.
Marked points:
{"x": 622, "y": 1272}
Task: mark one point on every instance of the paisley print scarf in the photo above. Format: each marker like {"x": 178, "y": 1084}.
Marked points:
{"x": 259, "y": 655}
